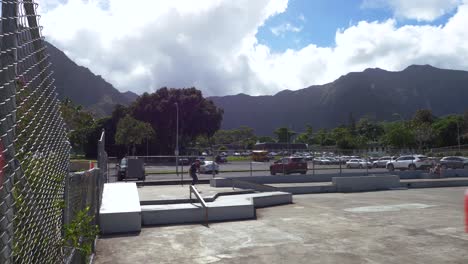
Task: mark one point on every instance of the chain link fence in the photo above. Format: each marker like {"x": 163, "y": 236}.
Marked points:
{"x": 242, "y": 162}
{"x": 36, "y": 196}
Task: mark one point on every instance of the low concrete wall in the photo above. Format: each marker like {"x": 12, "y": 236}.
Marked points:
{"x": 271, "y": 199}
{"x": 226, "y": 182}
{"x": 308, "y": 189}
{"x": 435, "y": 184}
{"x": 366, "y": 183}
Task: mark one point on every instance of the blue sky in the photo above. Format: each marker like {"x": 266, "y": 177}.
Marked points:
{"x": 318, "y": 21}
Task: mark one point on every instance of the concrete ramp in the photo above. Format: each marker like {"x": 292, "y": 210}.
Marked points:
{"x": 224, "y": 208}
{"x": 120, "y": 210}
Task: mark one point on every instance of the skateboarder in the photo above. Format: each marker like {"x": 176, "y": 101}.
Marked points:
{"x": 193, "y": 171}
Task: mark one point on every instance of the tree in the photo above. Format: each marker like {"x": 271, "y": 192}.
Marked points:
{"x": 307, "y": 137}
{"x": 265, "y": 139}
{"x": 446, "y": 130}
{"x": 284, "y": 134}
{"x": 131, "y": 132}
{"x": 197, "y": 116}
{"x": 423, "y": 116}
{"x": 324, "y": 138}
{"x": 80, "y": 124}
{"x": 368, "y": 130}
{"x": 398, "y": 135}
{"x": 243, "y": 136}
{"x": 423, "y": 134}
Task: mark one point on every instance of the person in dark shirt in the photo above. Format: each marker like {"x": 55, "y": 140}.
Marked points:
{"x": 193, "y": 171}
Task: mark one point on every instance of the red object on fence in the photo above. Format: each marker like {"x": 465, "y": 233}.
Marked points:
{"x": 91, "y": 165}
{"x": 466, "y": 211}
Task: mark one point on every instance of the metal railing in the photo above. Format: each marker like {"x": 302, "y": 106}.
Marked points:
{"x": 194, "y": 190}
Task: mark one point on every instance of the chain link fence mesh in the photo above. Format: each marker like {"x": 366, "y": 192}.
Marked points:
{"x": 34, "y": 146}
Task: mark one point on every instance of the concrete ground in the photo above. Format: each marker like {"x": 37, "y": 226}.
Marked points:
{"x": 404, "y": 226}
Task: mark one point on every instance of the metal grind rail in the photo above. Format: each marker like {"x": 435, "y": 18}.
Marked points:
{"x": 201, "y": 200}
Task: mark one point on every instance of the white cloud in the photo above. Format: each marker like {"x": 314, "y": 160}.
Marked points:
{"x": 366, "y": 45}
{"x": 302, "y": 18}
{"x": 283, "y": 28}
{"x": 212, "y": 45}
{"x": 421, "y": 10}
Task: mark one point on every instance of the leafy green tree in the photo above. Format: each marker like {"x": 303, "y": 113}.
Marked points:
{"x": 197, "y": 116}
{"x": 243, "y": 136}
{"x": 324, "y": 138}
{"x": 446, "y": 130}
{"x": 284, "y": 134}
{"x": 79, "y": 123}
{"x": 265, "y": 139}
{"x": 370, "y": 131}
{"x": 307, "y": 137}
{"x": 398, "y": 135}
{"x": 131, "y": 132}
{"x": 423, "y": 134}
{"x": 423, "y": 116}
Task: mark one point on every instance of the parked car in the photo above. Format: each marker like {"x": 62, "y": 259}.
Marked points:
{"x": 381, "y": 162}
{"x": 358, "y": 163}
{"x": 289, "y": 165}
{"x": 208, "y": 167}
{"x": 184, "y": 161}
{"x": 454, "y": 163}
{"x": 411, "y": 162}
{"x": 122, "y": 169}
{"x": 245, "y": 154}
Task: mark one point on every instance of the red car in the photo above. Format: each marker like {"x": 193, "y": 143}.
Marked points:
{"x": 289, "y": 165}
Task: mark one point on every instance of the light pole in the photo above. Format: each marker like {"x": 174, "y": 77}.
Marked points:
{"x": 176, "y": 152}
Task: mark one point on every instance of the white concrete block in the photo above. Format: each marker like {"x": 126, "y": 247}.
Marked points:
{"x": 120, "y": 210}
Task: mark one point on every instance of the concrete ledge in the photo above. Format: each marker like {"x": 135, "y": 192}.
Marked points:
{"x": 171, "y": 214}
{"x": 435, "y": 183}
{"x": 224, "y": 208}
{"x": 207, "y": 199}
{"x": 366, "y": 183}
{"x": 266, "y": 199}
{"x": 221, "y": 210}
{"x": 120, "y": 210}
{"x": 326, "y": 188}
{"x": 270, "y": 179}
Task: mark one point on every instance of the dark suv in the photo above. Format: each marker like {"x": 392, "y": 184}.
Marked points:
{"x": 289, "y": 165}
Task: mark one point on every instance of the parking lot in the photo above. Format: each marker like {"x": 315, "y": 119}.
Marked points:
{"x": 403, "y": 226}
{"x": 239, "y": 169}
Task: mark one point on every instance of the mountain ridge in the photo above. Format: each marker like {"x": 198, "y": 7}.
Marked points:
{"x": 374, "y": 92}
{"x": 83, "y": 87}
